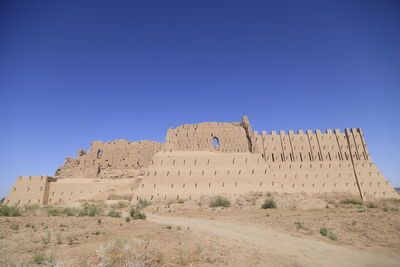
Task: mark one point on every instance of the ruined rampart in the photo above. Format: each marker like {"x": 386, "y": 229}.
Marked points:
{"x": 213, "y": 158}
{"x": 29, "y": 190}
{"x": 115, "y": 159}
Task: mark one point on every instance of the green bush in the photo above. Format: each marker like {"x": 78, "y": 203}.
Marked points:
{"x": 323, "y": 231}
{"x": 332, "y": 236}
{"x": 220, "y": 201}
{"x": 351, "y": 201}
{"x": 31, "y": 208}
{"x": 120, "y": 205}
{"x": 142, "y": 203}
{"x": 59, "y": 239}
{"x": 136, "y": 214}
{"x": 114, "y": 214}
{"x": 69, "y": 211}
{"x": 86, "y": 210}
{"x": 10, "y": 211}
{"x": 90, "y": 210}
{"x": 53, "y": 211}
{"x": 300, "y": 225}
{"x": 41, "y": 259}
{"x": 15, "y": 227}
{"x": 58, "y": 211}
{"x": 269, "y": 204}
{"x": 327, "y": 233}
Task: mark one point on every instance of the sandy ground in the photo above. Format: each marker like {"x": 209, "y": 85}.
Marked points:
{"x": 285, "y": 248}
{"x": 193, "y": 234}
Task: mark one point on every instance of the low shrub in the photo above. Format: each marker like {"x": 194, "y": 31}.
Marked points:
{"x": 15, "y": 227}
{"x": 269, "y": 204}
{"x": 90, "y": 210}
{"x": 69, "y": 211}
{"x": 142, "y": 203}
{"x": 53, "y": 211}
{"x": 120, "y": 205}
{"x": 114, "y": 214}
{"x": 58, "y": 211}
{"x": 332, "y": 236}
{"x": 131, "y": 252}
{"x": 220, "y": 201}
{"x": 10, "y": 211}
{"x": 41, "y": 259}
{"x": 136, "y": 214}
{"x": 386, "y": 209}
{"x": 114, "y": 196}
{"x": 327, "y": 233}
{"x": 29, "y": 225}
{"x": 72, "y": 240}
{"x": 351, "y": 201}
{"x": 59, "y": 239}
{"x": 300, "y": 225}
{"x": 46, "y": 239}
{"x": 85, "y": 210}
{"x": 31, "y": 208}
{"x": 323, "y": 231}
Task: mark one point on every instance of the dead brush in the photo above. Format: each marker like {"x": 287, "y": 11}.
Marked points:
{"x": 130, "y": 252}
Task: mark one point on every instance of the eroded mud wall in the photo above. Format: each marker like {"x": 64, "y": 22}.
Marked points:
{"x": 208, "y": 136}
{"x": 310, "y": 162}
{"x": 174, "y": 175}
{"x": 29, "y": 190}
{"x": 116, "y": 159}
{"x": 65, "y": 191}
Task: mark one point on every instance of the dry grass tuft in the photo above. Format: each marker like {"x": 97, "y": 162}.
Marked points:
{"x": 130, "y": 252}
{"x": 114, "y": 196}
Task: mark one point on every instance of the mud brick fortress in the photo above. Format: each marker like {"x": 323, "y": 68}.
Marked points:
{"x": 212, "y": 158}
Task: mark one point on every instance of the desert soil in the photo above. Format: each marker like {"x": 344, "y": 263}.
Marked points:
{"x": 193, "y": 234}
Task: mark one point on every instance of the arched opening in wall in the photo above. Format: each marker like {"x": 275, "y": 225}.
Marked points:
{"x": 215, "y": 142}
{"x": 99, "y": 154}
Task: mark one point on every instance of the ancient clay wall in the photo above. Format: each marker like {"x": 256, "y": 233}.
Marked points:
{"x": 191, "y": 175}
{"x": 173, "y": 175}
{"x": 65, "y": 191}
{"x": 190, "y": 165}
{"x": 231, "y": 137}
{"x": 312, "y": 146}
{"x": 116, "y": 159}
{"x": 310, "y": 162}
{"x": 29, "y": 190}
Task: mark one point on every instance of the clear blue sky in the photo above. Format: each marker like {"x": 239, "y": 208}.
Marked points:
{"x": 72, "y": 72}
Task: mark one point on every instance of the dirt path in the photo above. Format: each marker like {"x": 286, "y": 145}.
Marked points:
{"x": 305, "y": 252}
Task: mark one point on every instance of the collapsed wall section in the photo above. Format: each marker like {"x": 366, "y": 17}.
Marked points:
{"x": 116, "y": 159}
